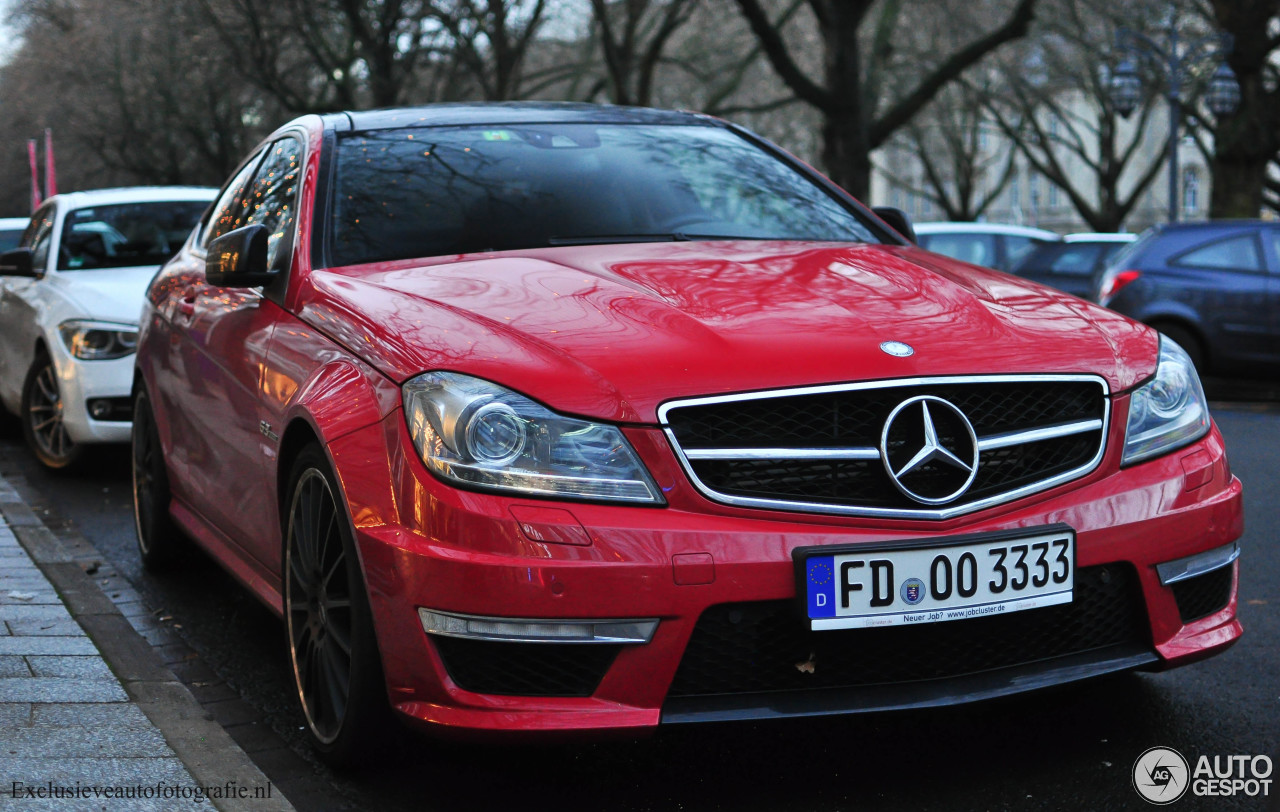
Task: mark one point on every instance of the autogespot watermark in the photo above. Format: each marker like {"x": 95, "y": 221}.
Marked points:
{"x": 1162, "y": 776}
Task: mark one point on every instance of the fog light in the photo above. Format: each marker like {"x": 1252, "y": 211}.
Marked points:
{"x": 117, "y": 410}
{"x": 447, "y": 624}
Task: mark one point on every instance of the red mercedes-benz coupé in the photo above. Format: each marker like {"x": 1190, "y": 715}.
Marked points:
{"x": 537, "y": 417}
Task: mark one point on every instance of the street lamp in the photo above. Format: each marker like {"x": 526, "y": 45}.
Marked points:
{"x": 1174, "y": 60}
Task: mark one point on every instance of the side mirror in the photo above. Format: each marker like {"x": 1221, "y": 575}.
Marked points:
{"x": 238, "y": 259}
{"x": 898, "y": 219}
{"x": 17, "y": 263}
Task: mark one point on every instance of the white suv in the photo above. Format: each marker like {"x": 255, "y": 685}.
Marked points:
{"x": 70, "y": 297}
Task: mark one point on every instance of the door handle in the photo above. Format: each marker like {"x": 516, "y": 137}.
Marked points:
{"x": 187, "y": 304}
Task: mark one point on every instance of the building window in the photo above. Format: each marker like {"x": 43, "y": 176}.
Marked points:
{"x": 1015, "y": 191}
{"x": 1054, "y": 196}
{"x": 1191, "y": 191}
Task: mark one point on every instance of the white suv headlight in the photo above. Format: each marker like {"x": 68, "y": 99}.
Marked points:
{"x": 1170, "y": 411}
{"x": 474, "y": 432}
{"x": 98, "y": 340}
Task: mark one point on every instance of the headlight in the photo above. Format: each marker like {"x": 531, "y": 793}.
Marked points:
{"x": 475, "y": 432}
{"x": 99, "y": 341}
{"x": 1170, "y": 411}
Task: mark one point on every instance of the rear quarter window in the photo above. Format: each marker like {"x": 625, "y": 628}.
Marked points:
{"x": 1240, "y": 252}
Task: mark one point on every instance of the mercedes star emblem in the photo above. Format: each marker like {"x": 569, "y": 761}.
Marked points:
{"x": 929, "y": 450}
{"x": 897, "y": 349}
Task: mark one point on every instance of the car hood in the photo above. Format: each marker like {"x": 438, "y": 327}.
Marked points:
{"x": 109, "y": 294}
{"x": 613, "y": 331}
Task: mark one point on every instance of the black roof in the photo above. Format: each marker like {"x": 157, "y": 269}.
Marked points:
{"x": 536, "y": 112}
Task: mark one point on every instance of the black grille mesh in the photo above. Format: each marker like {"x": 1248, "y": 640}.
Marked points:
{"x": 755, "y": 647}
{"x": 525, "y": 669}
{"x": 1203, "y": 595}
{"x": 856, "y": 419}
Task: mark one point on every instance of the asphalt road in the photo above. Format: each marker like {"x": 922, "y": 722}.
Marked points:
{"x": 1064, "y": 749}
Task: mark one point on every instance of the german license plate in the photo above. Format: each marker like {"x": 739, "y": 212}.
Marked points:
{"x": 931, "y": 581}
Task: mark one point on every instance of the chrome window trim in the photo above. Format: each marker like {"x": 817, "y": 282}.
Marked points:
{"x": 897, "y": 513}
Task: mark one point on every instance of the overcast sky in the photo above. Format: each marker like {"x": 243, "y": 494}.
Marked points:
{"x": 7, "y": 42}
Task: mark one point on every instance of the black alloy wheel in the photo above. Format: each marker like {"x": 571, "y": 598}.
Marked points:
{"x": 158, "y": 538}
{"x": 42, "y": 423}
{"x": 332, "y": 649}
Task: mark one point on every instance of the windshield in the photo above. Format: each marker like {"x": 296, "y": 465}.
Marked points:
{"x": 126, "y": 235}
{"x": 409, "y": 193}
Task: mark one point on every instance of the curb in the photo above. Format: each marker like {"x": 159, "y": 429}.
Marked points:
{"x": 209, "y": 753}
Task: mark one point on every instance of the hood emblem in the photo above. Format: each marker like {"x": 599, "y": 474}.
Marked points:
{"x": 930, "y": 450}
{"x": 897, "y": 349}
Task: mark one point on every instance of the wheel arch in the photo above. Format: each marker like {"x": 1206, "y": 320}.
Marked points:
{"x": 1192, "y": 326}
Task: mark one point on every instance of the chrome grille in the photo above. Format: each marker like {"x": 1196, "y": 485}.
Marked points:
{"x": 821, "y": 449}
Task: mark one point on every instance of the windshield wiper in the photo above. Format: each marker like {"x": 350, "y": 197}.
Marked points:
{"x": 606, "y": 239}
{"x": 675, "y": 236}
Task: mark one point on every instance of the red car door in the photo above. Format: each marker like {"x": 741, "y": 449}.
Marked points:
{"x": 225, "y": 446}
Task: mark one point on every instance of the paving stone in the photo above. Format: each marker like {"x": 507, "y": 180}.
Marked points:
{"x": 14, "y": 714}
{"x": 255, "y": 737}
{"x": 83, "y": 741}
{"x": 60, "y": 689}
{"x": 40, "y": 594}
{"x": 36, "y": 612}
{"x": 231, "y": 712}
{"x": 46, "y": 645}
{"x": 133, "y": 609}
{"x": 99, "y": 716}
{"x": 13, "y": 571}
{"x": 87, "y": 742}
{"x": 13, "y": 666}
{"x": 160, "y": 636}
{"x": 83, "y": 666}
{"x": 45, "y": 628}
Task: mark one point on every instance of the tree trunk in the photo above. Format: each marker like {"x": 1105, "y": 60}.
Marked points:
{"x": 846, "y": 153}
{"x": 1237, "y": 184}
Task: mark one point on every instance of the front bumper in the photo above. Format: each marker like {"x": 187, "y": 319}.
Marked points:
{"x": 424, "y": 544}
{"x": 82, "y": 381}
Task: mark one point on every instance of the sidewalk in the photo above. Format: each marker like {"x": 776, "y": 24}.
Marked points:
{"x": 84, "y": 731}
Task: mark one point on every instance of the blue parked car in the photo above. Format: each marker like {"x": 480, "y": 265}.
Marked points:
{"x": 1214, "y": 288}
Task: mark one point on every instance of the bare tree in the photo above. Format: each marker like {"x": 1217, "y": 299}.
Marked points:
{"x": 1059, "y": 112}
{"x": 950, "y": 139}
{"x": 491, "y": 39}
{"x": 855, "y": 96}
{"x": 117, "y": 113}
{"x": 633, "y": 35}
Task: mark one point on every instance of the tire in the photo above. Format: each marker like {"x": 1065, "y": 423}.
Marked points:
{"x": 42, "y": 424}
{"x": 332, "y": 649}
{"x": 158, "y": 538}
{"x": 1187, "y": 340}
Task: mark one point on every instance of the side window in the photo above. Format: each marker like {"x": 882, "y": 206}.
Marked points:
{"x": 979, "y": 249}
{"x": 272, "y": 197}
{"x": 1017, "y": 248}
{"x": 1232, "y": 254}
{"x": 1076, "y": 260}
{"x": 228, "y": 213}
{"x": 37, "y": 237}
